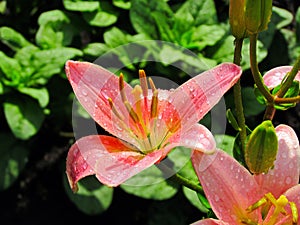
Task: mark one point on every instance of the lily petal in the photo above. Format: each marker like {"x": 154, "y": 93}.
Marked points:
{"x": 198, "y": 138}
{"x": 228, "y": 186}
{"x": 285, "y": 173}
{"x": 93, "y": 86}
{"x": 192, "y": 100}
{"x": 210, "y": 222}
{"x": 273, "y": 77}
{"x": 111, "y": 160}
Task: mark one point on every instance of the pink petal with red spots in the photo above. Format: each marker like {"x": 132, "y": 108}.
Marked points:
{"x": 195, "y": 98}
{"x": 111, "y": 160}
{"x": 93, "y": 85}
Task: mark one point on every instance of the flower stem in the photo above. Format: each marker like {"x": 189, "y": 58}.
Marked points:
{"x": 255, "y": 71}
{"x": 270, "y": 111}
{"x": 237, "y": 91}
{"x": 287, "y": 100}
{"x": 177, "y": 178}
{"x": 187, "y": 183}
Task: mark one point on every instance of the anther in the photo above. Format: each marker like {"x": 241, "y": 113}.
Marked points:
{"x": 294, "y": 212}
{"x": 113, "y": 108}
{"x": 154, "y": 103}
{"x": 152, "y": 84}
{"x": 143, "y": 82}
{"x": 121, "y": 87}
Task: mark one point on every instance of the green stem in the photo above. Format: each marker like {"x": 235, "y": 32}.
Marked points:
{"x": 255, "y": 71}
{"x": 187, "y": 183}
{"x": 177, "y": 178}
{"x": 287, "y": 100}
{"x": 270, "y": 111}
{"x": 237, "y": 91}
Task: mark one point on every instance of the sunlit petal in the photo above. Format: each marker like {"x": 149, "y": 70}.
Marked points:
{"x": 111, "y": 160}
{"x": 229, "y": 187}
{"x": 195, "y": 98}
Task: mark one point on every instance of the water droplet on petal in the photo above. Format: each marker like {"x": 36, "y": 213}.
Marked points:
{"x": 288, "y": 180}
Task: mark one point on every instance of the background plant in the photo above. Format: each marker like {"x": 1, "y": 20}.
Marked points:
{"x": 37, "y": 38}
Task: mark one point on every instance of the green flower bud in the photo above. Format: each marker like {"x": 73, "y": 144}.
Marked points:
{"x": 237, "y": 18}
{"x": 261, "y": 148}
{"x": 248, "y": 17}
{"x": 257, "y": 15}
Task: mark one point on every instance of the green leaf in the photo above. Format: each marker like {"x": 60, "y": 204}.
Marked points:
{"x": 164, "y": 25}
{"x": 194, "y": 199}
{"x": 115, "y": 37}
{"x": 203, "y": 12}
{"x": 55, "y": 30}
{"x": 92, "y": 197}
{"x": 12, "y": 70}
{"x": 142, "y": 19}
{"x": 251, "y": 106}
{"x": 53, "y": 16}
{"x": 157, "y": 188}
{"x": 297, "y": 18}
{"x": 207, "y": 35}
{"x": 223, "y": 51}
{"x": 50, "y": 62}
{"x": 3, "y": 6}
{"x": 124, "y": 4}
{"x": 12, "y": 38}
{"x": 95, "y": 49}
{"x": 24, "y": 116}
{"x": 225, "y": 142}
{"x": 100, "y": 18}
{"x": 281, "y": 17}
{"x": 80, "y": 5}
{"x": 13, "y": 158}
{"x": 40, "y": 94}
{"x": 293, "y": 91}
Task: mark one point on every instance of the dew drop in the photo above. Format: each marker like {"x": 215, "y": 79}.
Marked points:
{"x": 288, "y": 180}
{"x": 291, "y": 165}
{"x": 84, "y": 92}
{"x": 283, "y": 155}
{"x": 217, "y": 198}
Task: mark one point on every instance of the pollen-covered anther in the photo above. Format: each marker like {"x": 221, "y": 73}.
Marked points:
{"x": 143, "y": 82}
{"x": 154, "y": 102}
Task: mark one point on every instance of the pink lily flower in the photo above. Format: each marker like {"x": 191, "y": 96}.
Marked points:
{"x": 273, "y": 77}
{"x": 146, "y": 124}
{"x": 238, "y": 197}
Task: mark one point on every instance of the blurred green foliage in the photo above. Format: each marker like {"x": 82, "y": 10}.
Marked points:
{"x": 37, "y": 39}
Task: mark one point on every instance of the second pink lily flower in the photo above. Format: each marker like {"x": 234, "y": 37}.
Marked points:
{"x": 233, "y": 192}
{"x": 146, "y": 123}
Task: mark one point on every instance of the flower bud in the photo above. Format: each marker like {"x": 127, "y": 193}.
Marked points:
{"x": 261, "y": 148}
{"x": 257, "y": 15}
{"x": 249, "y": 16}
